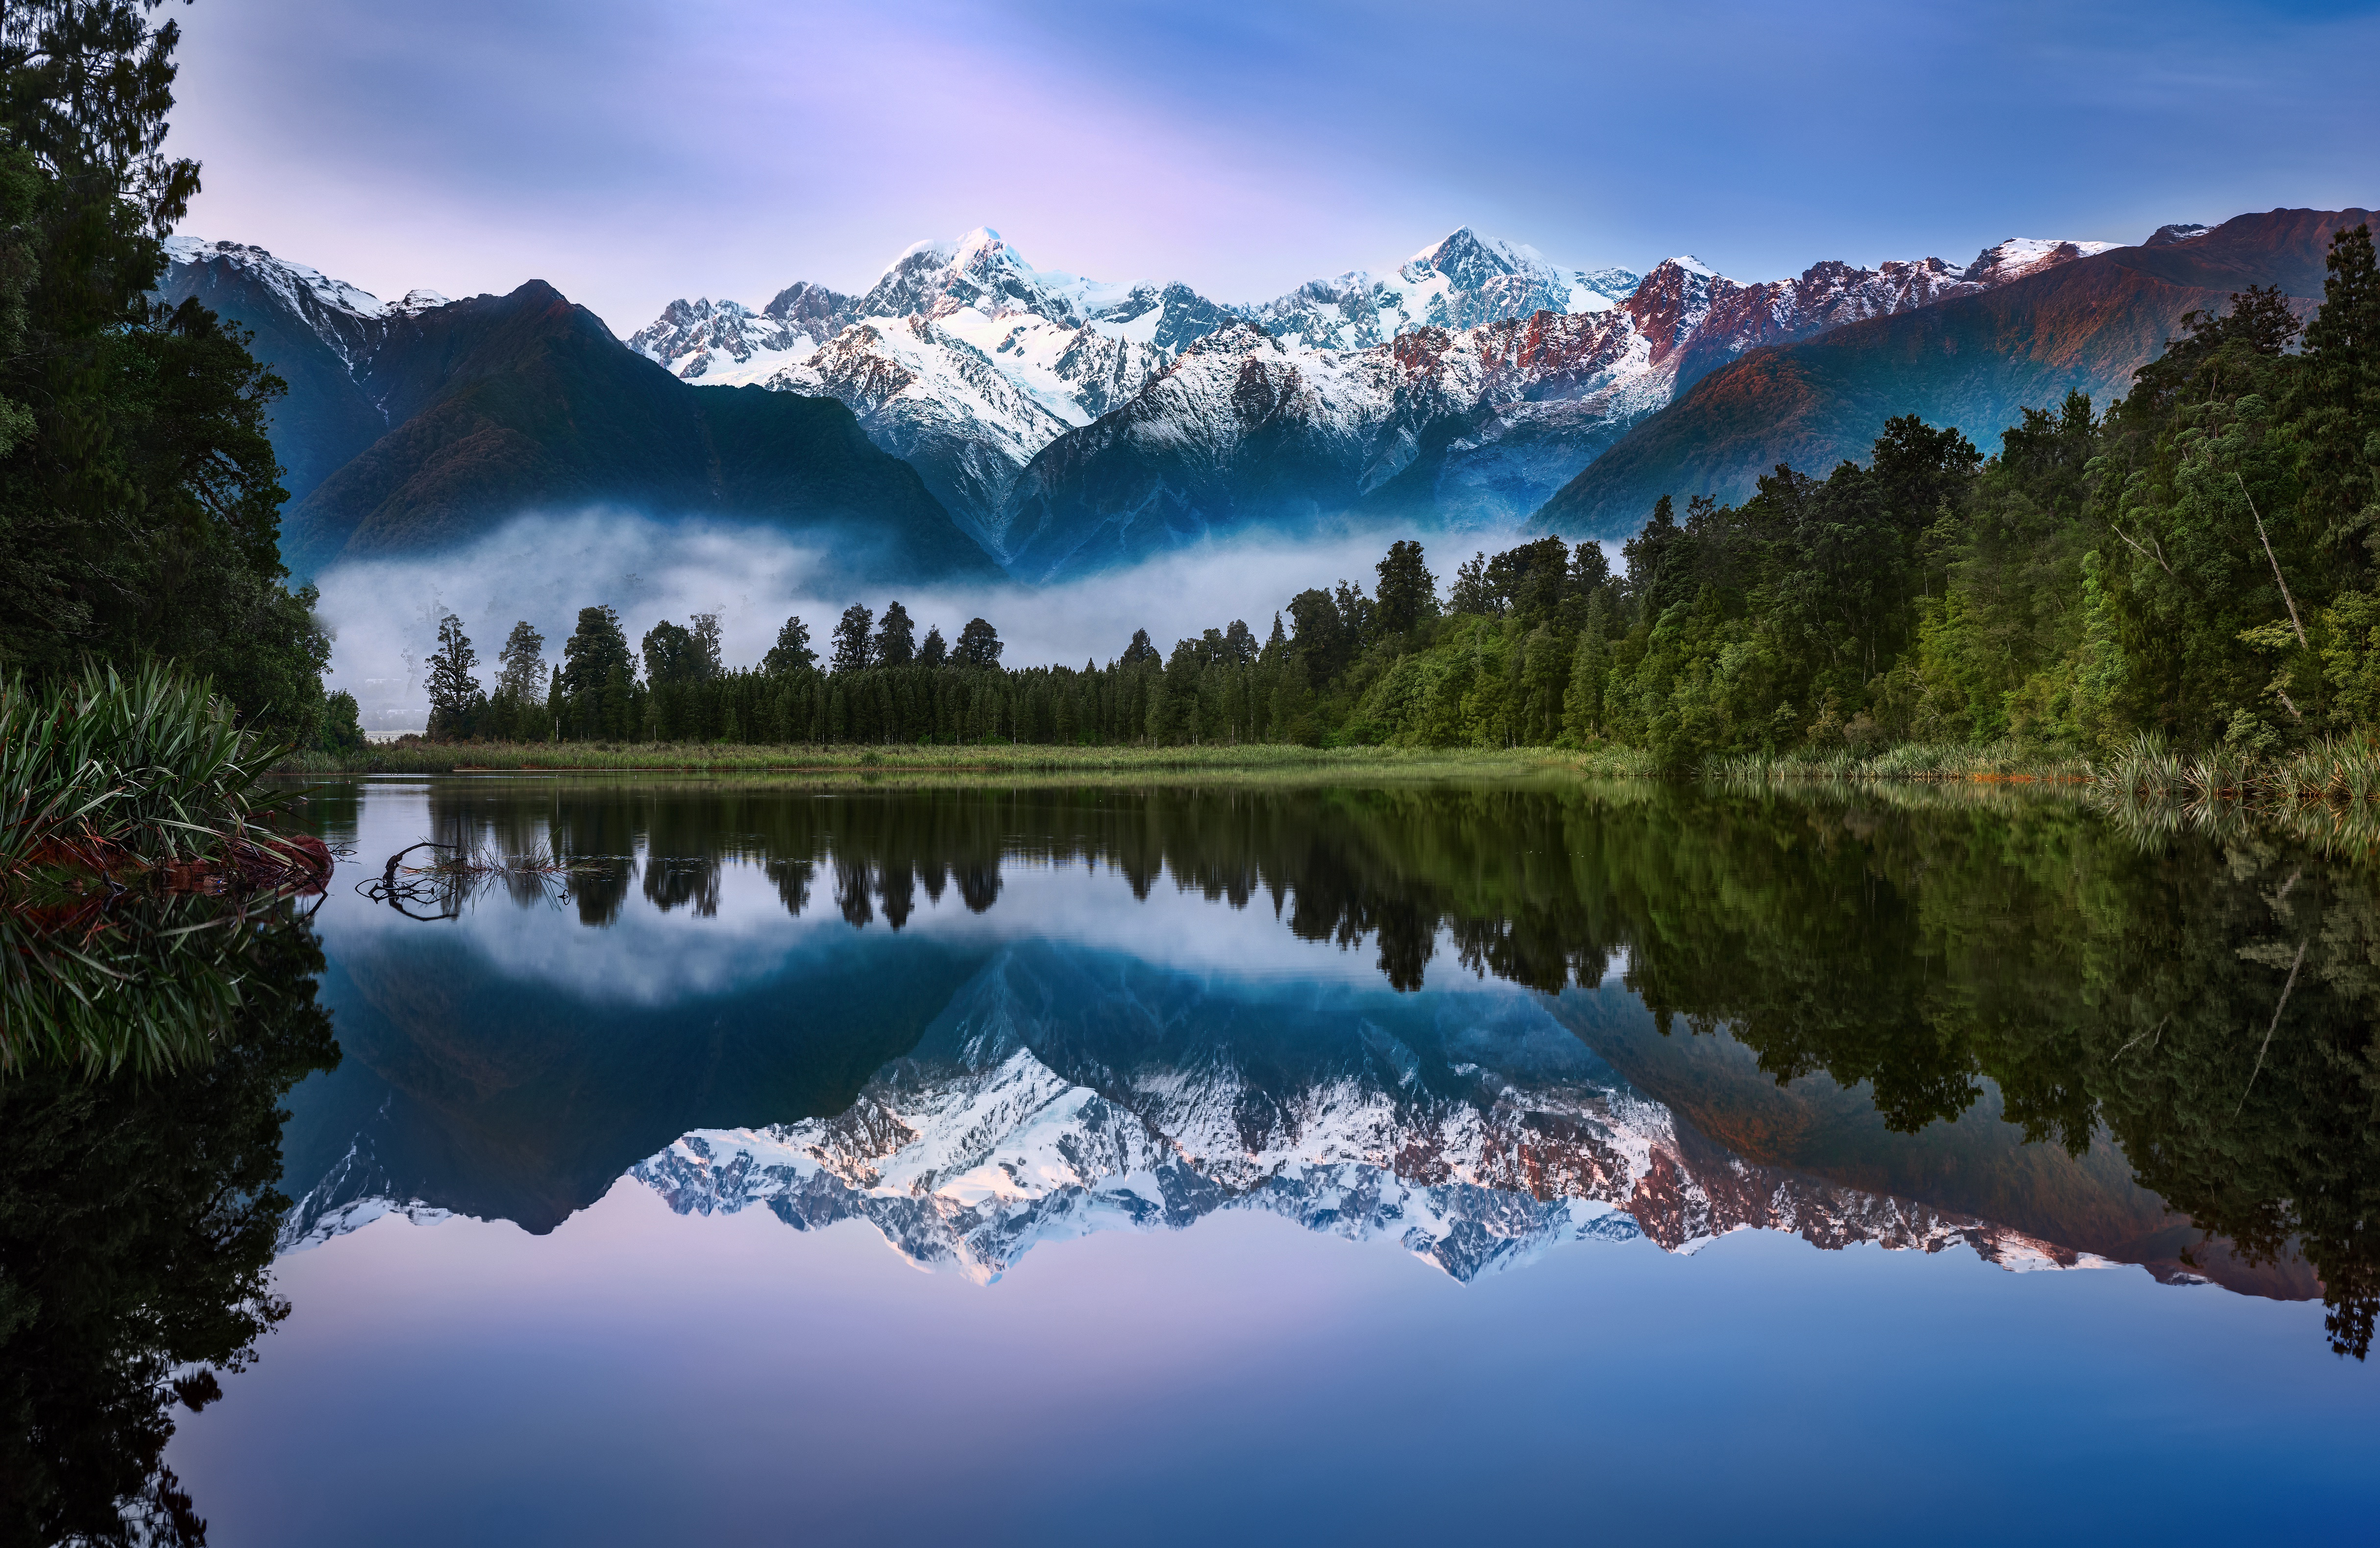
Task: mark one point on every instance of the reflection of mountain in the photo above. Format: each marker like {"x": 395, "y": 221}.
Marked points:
{"x": 1896, "y": 995}
{"x": 1065, "y": 1093}
{"x": 471, "y": 1089}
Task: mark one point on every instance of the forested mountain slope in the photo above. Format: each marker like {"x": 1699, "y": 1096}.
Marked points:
{"x": 416, "y": 425}
{"x": 1973, "y": 361}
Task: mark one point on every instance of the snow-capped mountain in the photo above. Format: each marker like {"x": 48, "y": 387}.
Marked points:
{"x": 1065, "y": 422}
{"x": 1461, "y": 281}
{"x": 380, "y": 394}
{"x": 1005, "y": 1130}
{"x": 1463, "y": 389}
{"x": 1462, "y": 426}
{"x": 967, "y": 361}
{"x": 2020, "y": 256}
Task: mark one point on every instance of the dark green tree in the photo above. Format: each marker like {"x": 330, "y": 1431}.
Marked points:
{"x": 672, "y": 656}
{"x": 705, "y": 635}
{"x": 896, "y": 638}
{"x": 520, "y": 666}
{"x": 597, "y": 675}
{"x": 978, "y": 644}
{"x": 792, "y": 652}
{"x": 854, "y": 648}
{"x": 936, "y": 651}
{"x": 1407, "y": 591}
{"x": 455, "y": 697}
{"x": 140, "y": 499}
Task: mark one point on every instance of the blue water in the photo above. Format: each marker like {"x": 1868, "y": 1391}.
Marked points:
{"x": 543, "y": 1289}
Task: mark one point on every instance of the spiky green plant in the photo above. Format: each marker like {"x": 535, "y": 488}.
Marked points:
{"x": 150, "y": 767}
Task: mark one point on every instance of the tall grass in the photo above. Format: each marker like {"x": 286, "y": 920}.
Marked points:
{"x": 2333, "y": 770}
{"x": 107, "y": 770}
{"x": 1907, "y": 761}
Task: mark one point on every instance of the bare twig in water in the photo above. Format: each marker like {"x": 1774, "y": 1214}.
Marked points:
{"x": 2294, "y": 965}
{"x": 2158, "y": 1030}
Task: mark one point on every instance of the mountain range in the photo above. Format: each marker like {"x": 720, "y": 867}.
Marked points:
{"x": 970, "y": 412}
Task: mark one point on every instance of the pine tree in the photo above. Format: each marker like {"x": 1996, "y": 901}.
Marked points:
{"x": 936, "y": 651}
{"x": 792, "y": 652}
{"x": 672, "y": 656}
{"x": 139, "y": 496}
{"x": 520, "y": 666}
{"x": 852, "y": 648}
{"x": 596, "y": 673}
{"x": 978, "y": 644}
{"x": 1471, "y": 594}
{"x": 2335, "y": 402}
{"x": 896, "y": 638}
{"x": 1143, "y": 651}
{"x": 1407, "y": 593}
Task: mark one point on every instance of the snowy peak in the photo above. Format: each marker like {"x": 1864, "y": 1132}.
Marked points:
{"x": 2020, "y": 256}
{"x": 1460, "y": 282}
{"x": 982, "y": 272}
{"x": 305, "y": 291}
{"x": 1463, "y": 261}
{"x": 697, "y": 339}
{"x": 2184, "y": 231}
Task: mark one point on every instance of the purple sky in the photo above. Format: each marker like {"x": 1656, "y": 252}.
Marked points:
{"x": 632, "y": 150}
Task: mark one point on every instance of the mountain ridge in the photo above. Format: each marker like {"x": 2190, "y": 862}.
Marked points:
{"x": 2085, "y": 323}
{"x": 429, "y": 422}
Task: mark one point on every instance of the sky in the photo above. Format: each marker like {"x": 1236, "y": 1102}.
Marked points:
{"x": 631, "y": 152}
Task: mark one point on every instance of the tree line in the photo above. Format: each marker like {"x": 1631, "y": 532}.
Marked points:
{"x": 2196, "y": 562}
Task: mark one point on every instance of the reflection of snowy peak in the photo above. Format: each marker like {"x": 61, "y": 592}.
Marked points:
{"x": 1037, "y": 1112}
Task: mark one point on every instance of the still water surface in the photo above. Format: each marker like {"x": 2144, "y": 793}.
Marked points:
{"x": 1287, "y": 1164}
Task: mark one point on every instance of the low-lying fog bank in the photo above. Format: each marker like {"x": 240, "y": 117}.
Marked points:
{"x": 383, "y": 614}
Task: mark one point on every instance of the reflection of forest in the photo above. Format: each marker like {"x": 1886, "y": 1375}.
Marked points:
{"x": 2206, "y": 1002}
{"x": 137, "y": 1219}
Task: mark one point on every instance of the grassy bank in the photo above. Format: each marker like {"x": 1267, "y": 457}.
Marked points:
{"x": 1919, "y": 761}
{"x": 994, "y": 758}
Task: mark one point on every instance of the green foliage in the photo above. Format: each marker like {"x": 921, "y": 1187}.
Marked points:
{"x": 793, "y": 653}
{"x": 140, "y": 499}
{"x": 150, "y": 767}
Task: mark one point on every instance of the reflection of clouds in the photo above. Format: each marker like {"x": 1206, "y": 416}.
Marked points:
{"x": 676, "y": 928}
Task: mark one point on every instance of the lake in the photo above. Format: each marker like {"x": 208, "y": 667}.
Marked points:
{"x": 1263, "y": 1161}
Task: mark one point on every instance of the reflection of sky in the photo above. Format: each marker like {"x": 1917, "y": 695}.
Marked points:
{"x": 648, "y": 956}
{"x": 641, "y": 1377}
{"x": 637, "y": 1376}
